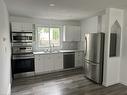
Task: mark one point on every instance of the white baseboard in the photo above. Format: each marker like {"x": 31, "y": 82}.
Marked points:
{"x": 9, "y": 90}
{"x": 110, "y": 83}
{"x": 23, "y": 75}
{"x": 6, "y": 91}
{"x": 124, "y": 83}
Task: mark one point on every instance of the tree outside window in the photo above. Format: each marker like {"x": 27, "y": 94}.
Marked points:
{"x": 48, "y": 36}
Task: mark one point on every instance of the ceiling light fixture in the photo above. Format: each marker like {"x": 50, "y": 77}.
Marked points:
{"x": 52, "y": 5}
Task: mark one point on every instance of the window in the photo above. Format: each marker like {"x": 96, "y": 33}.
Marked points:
{"x": 55, "y": 36}
{"x": 48, "y": 36}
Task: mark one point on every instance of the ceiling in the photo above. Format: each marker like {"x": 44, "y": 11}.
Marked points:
{"x": 63, "y": 9}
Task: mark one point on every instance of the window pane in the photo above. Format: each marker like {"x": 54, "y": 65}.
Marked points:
{"x": 43, "y": 36}
{"x": 55, "y": 36}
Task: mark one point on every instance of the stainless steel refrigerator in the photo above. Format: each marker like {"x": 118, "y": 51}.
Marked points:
{"x": 94, "y": 56}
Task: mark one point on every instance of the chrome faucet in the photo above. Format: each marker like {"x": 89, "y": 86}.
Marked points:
{"x": 51, "y": 47}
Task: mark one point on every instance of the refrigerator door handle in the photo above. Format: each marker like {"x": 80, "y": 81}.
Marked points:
{"x": 86, "y": 46}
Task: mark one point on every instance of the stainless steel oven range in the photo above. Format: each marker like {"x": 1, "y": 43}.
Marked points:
{"x": 22, "y": 53}
{"x": 22, "y": 63}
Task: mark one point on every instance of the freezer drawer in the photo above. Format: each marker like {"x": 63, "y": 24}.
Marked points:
{"x": 94, "y": 72}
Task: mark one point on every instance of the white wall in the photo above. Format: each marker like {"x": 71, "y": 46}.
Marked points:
{"x": 5, "y": 51}
{"x": 93, "y": 24}
{"x": 43, "y": 21}
{"x": 124, "y": 52}
{"x": 89, "y": 25}
{"x": 112, "y": 64}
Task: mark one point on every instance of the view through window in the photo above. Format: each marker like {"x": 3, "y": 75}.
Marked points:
{"x": 48, "y": 36}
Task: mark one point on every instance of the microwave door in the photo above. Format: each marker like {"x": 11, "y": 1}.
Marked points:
{"x": 21, "y": 37}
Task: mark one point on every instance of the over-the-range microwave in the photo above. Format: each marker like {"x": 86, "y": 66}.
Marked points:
{"x": 21, "y": 37}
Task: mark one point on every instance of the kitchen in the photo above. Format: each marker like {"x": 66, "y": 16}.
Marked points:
{"x": 46, "y": 55}
{"x": 58, "y": 50}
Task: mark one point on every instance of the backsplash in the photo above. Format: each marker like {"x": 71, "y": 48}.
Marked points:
{"x": 81, "y": 45}
{"x": 65, "y": 46}
{"x": 70, "y": 45}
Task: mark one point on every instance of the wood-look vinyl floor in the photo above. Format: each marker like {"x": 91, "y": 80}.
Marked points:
{"x": 69, "y": 83}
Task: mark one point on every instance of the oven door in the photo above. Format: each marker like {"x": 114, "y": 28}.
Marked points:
{"x": 22, "y": 65}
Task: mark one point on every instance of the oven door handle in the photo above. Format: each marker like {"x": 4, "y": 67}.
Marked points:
{"x": 16, "y": 58}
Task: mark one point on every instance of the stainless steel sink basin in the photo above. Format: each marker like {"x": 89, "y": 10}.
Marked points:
{"x": 46, "y": 52}
{"x": 55, "y": 52}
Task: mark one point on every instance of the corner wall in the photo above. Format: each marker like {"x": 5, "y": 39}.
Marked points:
{"x": 123, "y": 73}
{"x": 112, "y": 64}
{"x": 5, "y": 51}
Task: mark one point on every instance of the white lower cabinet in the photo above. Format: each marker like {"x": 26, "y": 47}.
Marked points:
{"x": 53, "y": 62}
{"x": 57, "y": 61}
{"x": 48, "y": 62}
{"x": 48, "y": 65}
{"x": 41, "y": 63}
{"x": 79, "y": 58}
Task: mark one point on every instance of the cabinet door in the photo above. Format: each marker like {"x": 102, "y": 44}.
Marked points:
{"x": 42, "y": 64}
{"x": 57, "y": 60}
{"x": 78, "y": 59}
{"x": 82, "y": 58}
{"x": 39, "y": 64}
{"x": 71, "y": 33}
{"x": 60, "y": 61}
{"x": 27, "y": 27}
{"x": 21, "y": 27}
{"x": 76, "y": 32}
{"x": 16, "y": 27}
{"x": 48, "y": 63}
{"x": 36, "y": 62}
{"x": 43, "y": 61}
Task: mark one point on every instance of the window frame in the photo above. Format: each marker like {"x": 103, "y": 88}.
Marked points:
{"x": 48, "y": 26}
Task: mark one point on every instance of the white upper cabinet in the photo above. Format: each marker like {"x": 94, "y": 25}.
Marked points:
{"x": 21, "y": 27}
{"x": 71, "y": 33}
